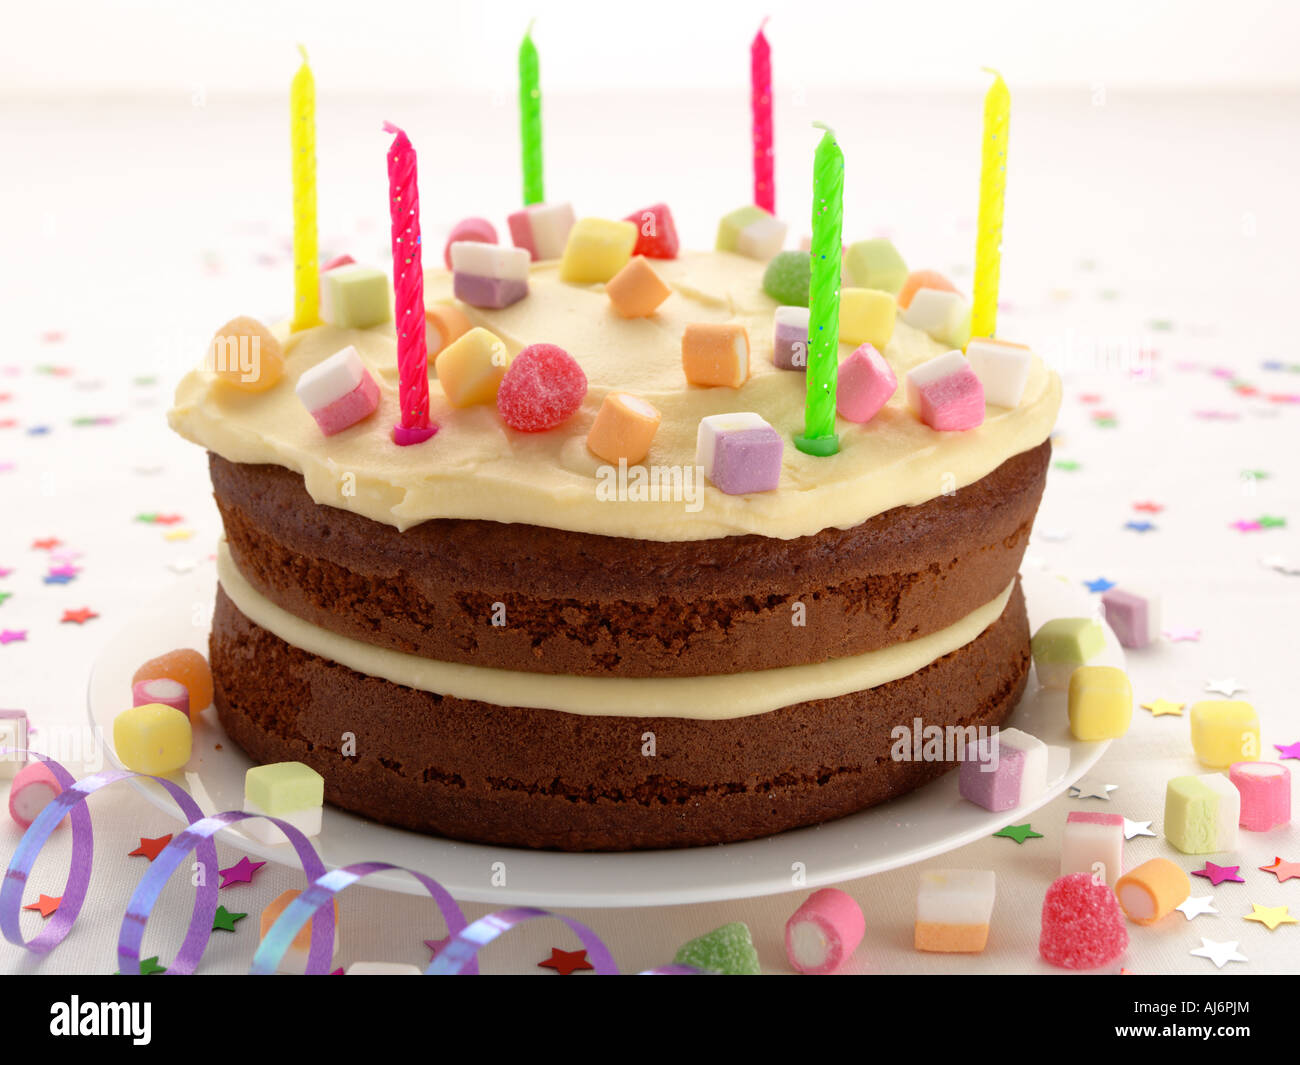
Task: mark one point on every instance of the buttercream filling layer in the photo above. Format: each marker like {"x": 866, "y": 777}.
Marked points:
{"x": 703, "y": 698}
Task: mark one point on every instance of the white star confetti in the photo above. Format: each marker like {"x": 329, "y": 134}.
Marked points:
{"x": 1137, "y": 828}
{"x": 1090, "y": 789}
{"x": 1194, "y": 907}
{"x": 1219, "y": 953}
{"x": 1228, "y": 687}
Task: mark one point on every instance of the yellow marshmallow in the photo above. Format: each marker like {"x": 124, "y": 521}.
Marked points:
{"x": 624, "y": 428}
{"x": 152, "y": 738}
{"x": 1224, "y": 731}
{"x": 867, "y": 317}
{"x": 1101, "y": 703}
{"x": 597, "y": 249}
{"x": 470, "y": 368}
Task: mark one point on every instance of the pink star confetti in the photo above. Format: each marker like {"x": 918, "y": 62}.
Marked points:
{"x": 240, "y": 873}
{"x": 12, "y": 636}
{"x": 1179, "y": 633}
{"x": 1284, "y": 871}
{"x": 1147, "y": 507}
{"x": 1290, "y": 750}
{"x": 1242, "y": 525}
{"x": 1217, "y": 874}
{"x": 435, "y": 946}
{"x": 64, "y": 571}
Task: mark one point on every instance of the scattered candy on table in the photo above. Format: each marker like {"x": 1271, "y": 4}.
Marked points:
{"x": 470, "y": 230}
{"x": 185, "y": 666}
{"x": 542, "y": 229}
{"x": 921, "y": 279}
{"x": 824, "y": 932}
{"x": 382, "y": 968}
{"x": 488, "y": 275}
{"x": 866, "y": 381}
{"x": 294, "y": 960}
{"x": 740, "y": 453}
{"x": 790, "y": 338}
{"x": 1082, "y": 926}
{"x": 1224, "y": 731}
{"x": 1094, "y": 844}
{"x": 1202, "y": 813}
{"x": 716, "y": 354}
{"x": 751, "y": 231}
{"x": 624, "y": 428}
{"x": 13, "y": 738}
{"x": 945, "y": 316}
{"x": 866, "y": 317}
{"x": 443, "y": 323}
{"x": 245, "y": 355}
{"x": 787, "y": 278}
{"x": 33, "y": 789}
{"x": 1100, "y": 703}
{"x": 1003, "y": 369}
{"x": 162, "y": 690}
{"x": 543, "y": 388}
{"x": 597, "y": 249}
{"x": 1062, "y": 645}
{"x": 636, "y": 291}
{"x": 656, "y": 236}
{"x": 471, "y": 368}
{"x": 945, "y": 393}
{"x": 338, "y": 392}
{"x": 728, "y": 950}
{"x": 1004, "y": 770}
{"x": 953, "y": 910}
{"x": 1153, "y": 890}
{"x": 1265, "y": 790}
{"x": 875, "y": 264}
{"x": 289, "y": 791}
{"x": 152, "y": 738}
{"x": 1133, "y": 614}
{"x": 355, "y": 297}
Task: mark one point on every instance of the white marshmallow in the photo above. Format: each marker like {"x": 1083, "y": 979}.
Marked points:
{"x": 762, "y": 238}
{"x": 494, "y": 261}
{"x": 1002, "y": 369}
{"x": 942, "y": 314}
{"x": 956, "y": 896}
{"x": 331, "y": 380}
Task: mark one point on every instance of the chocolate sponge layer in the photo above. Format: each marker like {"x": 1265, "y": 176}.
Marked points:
{"x": 580, "y": 604}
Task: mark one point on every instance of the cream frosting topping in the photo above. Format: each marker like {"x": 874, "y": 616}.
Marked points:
{"x": 709, "y": 698}
{"x": 475, "y": 467}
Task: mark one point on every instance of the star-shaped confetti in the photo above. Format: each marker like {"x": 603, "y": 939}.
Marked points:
{"x": 79, "y": 617}
{"x": 58, "y": 578}
{"x": 178, "y": 534}
{"x": 1182, "y": 634}
{"x": 1245, "y": 525}
{"x": 1068, "y": 465}
{"x": 12, "y": 636}
{"x": 1228, "y": 687}
{"x": 435, "y": 946}
{"x": 1091, "y": 789}
{"x": 1133, "y": 829}
{"x": 1197, "y": 905}
{"x": 46, "y": 904}
{"x": 240, "y": 873}
{"x": 566, "y": 961}
{"x": 147, "y": 519}
{"x": 1284, "y": 871}
{"x": 4, "y": 596}
{"x": 1217, "y": 874}
{"x": 150, "y": 967}
{"x": 1219, "y": 953}
{"x": 1270, "y": 521}
{"x": 1162, "y": 707}
{"x": 166, "y": 519}
{"x": 1290, "y": 750}
{"x": 150, "y": 848}
{"x": 1101, "y": 584}
{"x": 1019, "y": 833}
{"x": 1148, "y": 507}
{"x": 224, "y": 921}
{"x": 1139, "y": 526}
{"x": 1270, "y": 916}
{"x": 48, "y": 544}
{"x": 4, "y": 571}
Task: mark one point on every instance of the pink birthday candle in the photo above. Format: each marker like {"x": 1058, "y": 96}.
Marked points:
{"x": 760, "y": 66}
{"x": 408, "y": 288}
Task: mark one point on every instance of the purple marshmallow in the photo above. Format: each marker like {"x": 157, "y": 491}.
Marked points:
{"x": 490, "y": 292}
{"x": 740, "y": 453}
{"x": 790, "y": 339}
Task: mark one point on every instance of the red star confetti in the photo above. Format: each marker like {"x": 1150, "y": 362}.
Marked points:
{"x": 1284, "y": 871}
{"x": 48, "y": 544}
{"x": 166, "y": 519}
{"x": 1217, "y": 874}
{"x": 240, "y": 873}
{"x": 150, "y": 848}
{"x": 1147, "y": 507}
{"x": 1182, "y": 633}
{"x": 12, "y": 636}
{"x": 79, "y": 617}
{"x": 566, "y": 961}
{"x": 46, "y": 904}
{"x": 1090, "y": 397}
{"x": 53, "y": 336}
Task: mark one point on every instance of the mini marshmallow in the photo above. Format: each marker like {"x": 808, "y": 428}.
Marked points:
{"x": 866, "y": 381}
{"x": 597, "y": 249}
{"x": 13, "y": 737}
{"x": 33, "y": 789}
{"x": 162, "y": 690}
{"x": 355, "y": 297}
{"x": 824, "y": 932}
{"x": 471, "y": 368}
{"x": 294, "y": 960}
{"x": 636, "y": 291}
{"x": 1133, "y": 614}
{"x": 1153, "y": 890}
{"x": 338, "y": 392}
{"x": 1003, "y": 368}
{"x": 867, "y": 317}
{"x": 790, "y": 338}
{"x": 922, "y": 279}
{"x": 1265, "y": 790}
{"x": 1082, "y": 925}
{"x": 185, "y": 666}
{"x": 875, "y": 264}
{"x": 476, "y": 230}
{"x": 945, "y": 316}
{"x": 740, "y": 453}
{"x": 1093, "y": 843}
{"x": 382, "y": 968}
{"x": 1100, "y": 703}
{"x": 1202, "y": 813}
{"x": 542, "y": 229}
{"x": 624, "y": 428}
{"x": 751, "y": 231}
{"x": 656, "y": 234}
{"x": 336, "y": 262}
{"x": 443, "y": 324}
{"x": 945, "y": 393}
{"x": 152, "y": 738}
{"x": 953, "y": 910}
{"x": 716, "y": 354}
{"x": 1224, "y": 731}
{"x": 489, "y": 275}
{"x": 245, "y": 355}
{"x": 1062, "y": 645}
{"x": 289, "y": 791}
{"x": 1005, "y": 770}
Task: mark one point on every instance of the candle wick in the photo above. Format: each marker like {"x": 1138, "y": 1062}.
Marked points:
{"x": 763, "y": 25}
{"x": 302, "y": 51}
{"x": 531, "y": 22}
{"x": 822, "y": 125}
{"x": 991, "y": 70}
{"x": 390, "y": 128}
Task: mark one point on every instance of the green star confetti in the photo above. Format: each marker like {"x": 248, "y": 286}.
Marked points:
{"x": 1069, "y": 465}
{"x": 1269, "y": 521}
{"x": 1019, "y": 833}
{"x": 224, "y": 921}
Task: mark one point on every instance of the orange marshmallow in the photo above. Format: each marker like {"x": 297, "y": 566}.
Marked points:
{"x": 1152, "y": 890}
{"x": 636, "y": 291}
{"x": 624, "y": 428}
{"x": 295, "y": 958}
{"x": 716, "y": 353}
{"x": 919, "y": 279}
{"x": 443, "y": 323}
{"x": 186, "y": 667}
{"x": 950, "y": 938}
{"x": 243, "y": 353}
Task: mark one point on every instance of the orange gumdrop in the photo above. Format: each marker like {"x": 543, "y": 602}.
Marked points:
{"x": 185, "y": 667}
{"x": 919, "y": 279}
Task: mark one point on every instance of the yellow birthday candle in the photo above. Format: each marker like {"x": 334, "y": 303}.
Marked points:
{"x": 993, "y": 184}
{"x": 306, "y": 272}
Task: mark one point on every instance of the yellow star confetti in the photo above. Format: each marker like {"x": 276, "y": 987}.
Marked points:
{"x": 178, "y": 534}
{"x": 1270, "y": 916}
{"x": 1163, "y": 706}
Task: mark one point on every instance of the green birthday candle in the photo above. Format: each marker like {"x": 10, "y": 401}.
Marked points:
{"x": 818, "y": 437}
{"x": 530, "y": 119}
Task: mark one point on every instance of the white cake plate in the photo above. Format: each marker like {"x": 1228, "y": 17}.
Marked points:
{"x": 925, "y": 823}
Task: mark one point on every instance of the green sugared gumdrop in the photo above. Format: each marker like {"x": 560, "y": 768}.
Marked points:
{"x": 728, "y": 950}
{"x": 787, "y": 276}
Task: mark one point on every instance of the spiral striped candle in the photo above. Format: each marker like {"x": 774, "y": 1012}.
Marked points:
{"x": 530, "y": 119}
{"x": 408, "y": 288}
{"x": 302, "y": 137}
{"x": 760, "y": 71}
{"x": 993, "y": 184}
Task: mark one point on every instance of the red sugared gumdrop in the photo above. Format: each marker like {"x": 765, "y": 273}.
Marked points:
{"x": 1082, "y": 924}
{"x": 542, "y": 388}
{"x": 656, "y": 236}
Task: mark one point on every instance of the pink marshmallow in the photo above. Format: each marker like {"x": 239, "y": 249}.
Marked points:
{"x": 542, "y": 229}
{"x": 339, "y": 391}
{"x": 478, "y": 230}
{"x": 946, "y": 393}
{"x": 33, "y": 789}
{"x": 360, "y": 403}
{"x": 824, "y": 932}
{"x": 161, "y": 690}
{"x": 866, "y": 382}
{"x": 1265, "y": 789}
{"x": 338, "y": 260}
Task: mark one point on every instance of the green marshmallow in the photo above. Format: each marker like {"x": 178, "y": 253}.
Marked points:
{"x": 284, "y": 788}
{"x": 787, "y": 277}
{"x": 875, "y": 264}
{"x": 728, "y": 950}
{"x": 731, "y": 225}
{"x": 1062, "y": 645}
{"x": 1201, "y": 813}
{"x": 355, "y": 297}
